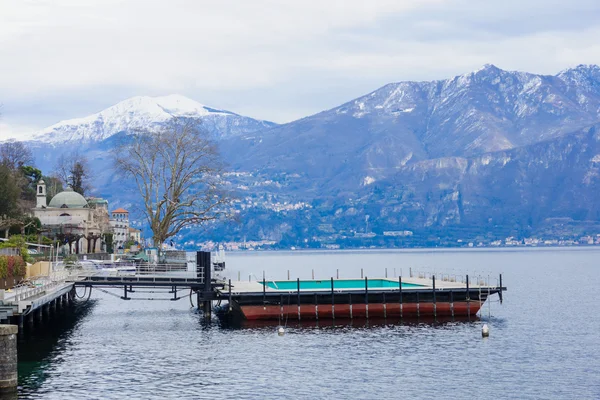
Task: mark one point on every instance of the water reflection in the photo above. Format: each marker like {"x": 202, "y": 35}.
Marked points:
{"x": 42, "y": 344}
{"x": 231, "y": 322}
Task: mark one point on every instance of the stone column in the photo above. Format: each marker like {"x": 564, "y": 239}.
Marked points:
{"x": 8, "y": 358}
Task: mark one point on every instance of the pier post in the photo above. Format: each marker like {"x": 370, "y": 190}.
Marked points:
{"x": 230, "y": 308}
{"x": 8, "y": 359}
{"x": 500, "y": 291}
{"x": 204, "y": 275}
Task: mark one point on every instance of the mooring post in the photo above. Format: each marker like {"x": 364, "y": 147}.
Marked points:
{"x": 298, "y": 283}
{"x": 500, "y": 292}
{"x": 332, "y": 300}
{"x": 204, "y": 275}
{"x": 125, "y": 293}
{"x": 230, "y": 296}
{"x": 8, "y": 359}
{"x": 434, "y": 303}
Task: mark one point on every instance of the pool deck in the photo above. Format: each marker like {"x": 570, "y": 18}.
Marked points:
{"x": 425, "y": 283}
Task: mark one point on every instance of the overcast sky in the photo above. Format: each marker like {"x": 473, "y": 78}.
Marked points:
{"x": 271, "y": 59}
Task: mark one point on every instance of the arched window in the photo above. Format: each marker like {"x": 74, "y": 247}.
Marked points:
{"x": 65, "y": 215}
{"x": 41, "y": 190}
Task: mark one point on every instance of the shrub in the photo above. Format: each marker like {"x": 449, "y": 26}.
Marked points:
{"x": 11, "y": 266}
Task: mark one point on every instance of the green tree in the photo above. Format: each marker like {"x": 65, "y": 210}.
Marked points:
{"x": 10, "y": 193}
{"x": 31, "y": 176}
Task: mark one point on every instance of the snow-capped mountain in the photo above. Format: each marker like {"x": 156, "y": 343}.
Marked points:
{"x": 147, "y": 113}
{"x": 486, "y": 151}
{"x": 402, "y": 123}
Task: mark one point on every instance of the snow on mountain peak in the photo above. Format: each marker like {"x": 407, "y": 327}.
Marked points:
{"x": 140, "y": 112}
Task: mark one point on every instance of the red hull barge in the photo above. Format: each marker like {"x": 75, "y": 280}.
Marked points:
{"x": 378, "y": 299}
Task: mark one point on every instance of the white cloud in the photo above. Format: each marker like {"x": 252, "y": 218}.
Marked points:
{"x": 273, "y": 59}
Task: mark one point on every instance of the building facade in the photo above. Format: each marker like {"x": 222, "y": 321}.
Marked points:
{"x": 119, "y": 223}
{"x": 69, "y": 218}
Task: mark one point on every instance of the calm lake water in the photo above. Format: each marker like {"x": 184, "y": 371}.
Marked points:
{"x": 544, "y": 340}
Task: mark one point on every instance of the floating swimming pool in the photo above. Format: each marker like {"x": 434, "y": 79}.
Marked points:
{"x": 337, "y": 284}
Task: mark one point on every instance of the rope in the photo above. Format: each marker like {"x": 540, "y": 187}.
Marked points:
{"x": 85, "y": 288}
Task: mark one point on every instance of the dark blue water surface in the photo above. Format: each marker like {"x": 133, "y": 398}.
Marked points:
{"x": 544, "y": 341}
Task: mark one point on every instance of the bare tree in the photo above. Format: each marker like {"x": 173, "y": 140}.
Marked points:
{"x": 73, "y": 170}
{"x": 15, "y": 154}
{"x": 176, "y": 170}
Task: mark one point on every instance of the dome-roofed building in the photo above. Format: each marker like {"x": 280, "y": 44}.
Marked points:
{"x": 70, "y": 219}
{"x": 68, "y": 199}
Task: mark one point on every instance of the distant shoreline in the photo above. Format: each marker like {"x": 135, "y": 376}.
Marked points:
{"x": 420, "y": 250}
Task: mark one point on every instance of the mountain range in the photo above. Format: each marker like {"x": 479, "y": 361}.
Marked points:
{"x": 475, "y": 157}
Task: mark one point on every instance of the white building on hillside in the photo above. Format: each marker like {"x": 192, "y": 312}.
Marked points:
{"x": 120, "y": 226}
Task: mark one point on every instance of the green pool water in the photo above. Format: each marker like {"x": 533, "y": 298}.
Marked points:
{"x": 337, "y": 284}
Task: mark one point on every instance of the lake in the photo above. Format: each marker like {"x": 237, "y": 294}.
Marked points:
{"x": 544, "y": 339}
